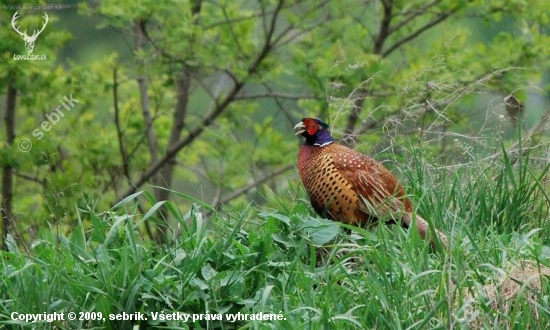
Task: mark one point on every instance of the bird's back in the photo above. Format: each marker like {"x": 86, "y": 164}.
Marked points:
{"x": 348, "y": 186}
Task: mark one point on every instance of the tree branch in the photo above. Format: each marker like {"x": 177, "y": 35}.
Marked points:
{"x": 27, "y": 177}
{"x": 384, "y": 27}
{"x": 144, "y": 97}
{"x": 175, "y": 148}
{"x": 274, "y": 95}
{"x": 412, "y": 14}
{"x": 245, "y": 189}
{"x": 418, "y": 32}
{"x": 7, "y": 170}
{"x": 218, "y": 109}
{"x": 120, "y": 135}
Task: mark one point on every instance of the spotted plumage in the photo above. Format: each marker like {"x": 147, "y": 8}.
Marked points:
{"x": 347, "y": 186}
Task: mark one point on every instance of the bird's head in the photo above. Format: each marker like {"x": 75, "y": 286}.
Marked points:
{"x": 315, "y": 131}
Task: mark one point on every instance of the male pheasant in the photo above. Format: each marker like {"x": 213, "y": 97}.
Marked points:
{"x": 347, "y": 186}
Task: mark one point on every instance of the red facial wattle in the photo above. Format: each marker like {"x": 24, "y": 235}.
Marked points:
{"x": 311, "y": 126}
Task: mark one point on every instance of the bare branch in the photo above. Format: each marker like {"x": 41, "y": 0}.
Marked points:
{"x": 144, "y": 96}
{"x": 119, "y": 133}
{"x": 280, "y": 40}
{"x": 27, "y": 177}
{"x": 8, "y": 225}
{"x": 285, "y": 112}
{"x": 418, "y": 32}
{"x": 384, "y": 27}
{"x": 183, "y": 87}
{"x": 219, "y": 107}
{"x": 253, "y": 15}
{"x": 361, "y": 92}
{"x": 245, "y": 189}
{"x": 234, "y": 35}
{"x": 176, "y": 147}
{"x": 268, "y": 39}
{"x": 274, "y": 95}
{"x": 412, "y": 14}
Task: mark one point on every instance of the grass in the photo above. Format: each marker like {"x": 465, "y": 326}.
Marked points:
{"x": 308, "y": 271}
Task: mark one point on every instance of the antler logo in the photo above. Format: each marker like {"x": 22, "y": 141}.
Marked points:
{"x": 29, "y": 41}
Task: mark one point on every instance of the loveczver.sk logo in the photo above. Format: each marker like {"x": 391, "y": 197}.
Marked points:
{"x": 29, "y": 40}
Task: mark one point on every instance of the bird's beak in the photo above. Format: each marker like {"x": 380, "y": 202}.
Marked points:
{"x": 299, "y": 128}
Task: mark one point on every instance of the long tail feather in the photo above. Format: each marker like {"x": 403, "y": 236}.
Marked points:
{"x": 423, "y": 228}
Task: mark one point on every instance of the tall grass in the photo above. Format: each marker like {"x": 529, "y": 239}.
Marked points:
{"x": 287, "y": 261}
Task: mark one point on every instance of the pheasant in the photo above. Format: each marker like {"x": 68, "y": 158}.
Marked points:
{"x": 347, "y": 186}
